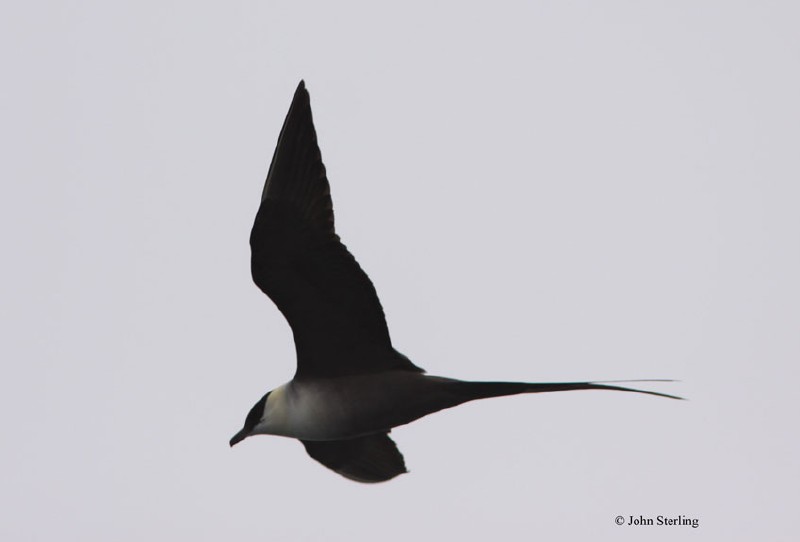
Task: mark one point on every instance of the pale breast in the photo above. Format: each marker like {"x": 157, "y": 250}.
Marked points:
{"x": 337, "y": 408}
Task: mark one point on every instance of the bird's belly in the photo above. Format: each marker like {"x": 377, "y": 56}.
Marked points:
{"x": 334, "y": 409}
{"x": 333, "y": 413}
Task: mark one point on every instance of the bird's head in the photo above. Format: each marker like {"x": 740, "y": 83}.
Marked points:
{"x": 254, "y": 417}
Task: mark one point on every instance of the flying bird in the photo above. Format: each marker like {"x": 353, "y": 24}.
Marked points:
{"x": 351, "y": 386}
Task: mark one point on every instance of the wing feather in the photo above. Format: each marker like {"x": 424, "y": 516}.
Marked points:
{"x": 368, "y": 459}
{"x": 299, "y": 261}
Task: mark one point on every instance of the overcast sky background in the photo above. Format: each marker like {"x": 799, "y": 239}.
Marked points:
{"x": 540, "y": 191}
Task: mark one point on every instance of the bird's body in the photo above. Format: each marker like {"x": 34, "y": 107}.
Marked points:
{"x": 350, "y": 406}
{"x": 351, "y": 386}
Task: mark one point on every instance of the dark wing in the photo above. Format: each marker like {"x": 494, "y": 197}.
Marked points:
{"x": 368, "y": 459}
{"x": 299, "y": 262}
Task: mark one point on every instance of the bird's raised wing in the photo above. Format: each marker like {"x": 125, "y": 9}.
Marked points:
{"x": 300, "y": 263}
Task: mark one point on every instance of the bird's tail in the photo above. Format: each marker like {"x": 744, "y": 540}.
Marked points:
{"x": 483, "y": 390}
{"x": 438, "y": 393}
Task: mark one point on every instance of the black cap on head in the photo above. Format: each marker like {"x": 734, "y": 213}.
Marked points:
{"x": 253, "y": 417}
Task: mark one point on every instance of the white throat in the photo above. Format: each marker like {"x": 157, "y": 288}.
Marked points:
{"x": 297, "y": 411}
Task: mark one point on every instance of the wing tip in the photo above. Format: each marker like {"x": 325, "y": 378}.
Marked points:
{"x": 301, "y": 89}
{"x": 300, "y": 101}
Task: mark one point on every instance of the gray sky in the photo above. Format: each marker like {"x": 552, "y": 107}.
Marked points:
{"x": 540, "y": 191}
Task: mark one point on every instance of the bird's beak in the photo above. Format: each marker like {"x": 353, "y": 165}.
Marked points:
{"x": 238, "y": 437}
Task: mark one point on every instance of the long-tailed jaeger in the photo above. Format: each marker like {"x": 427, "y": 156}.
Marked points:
{"x": 351, "y": 386}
